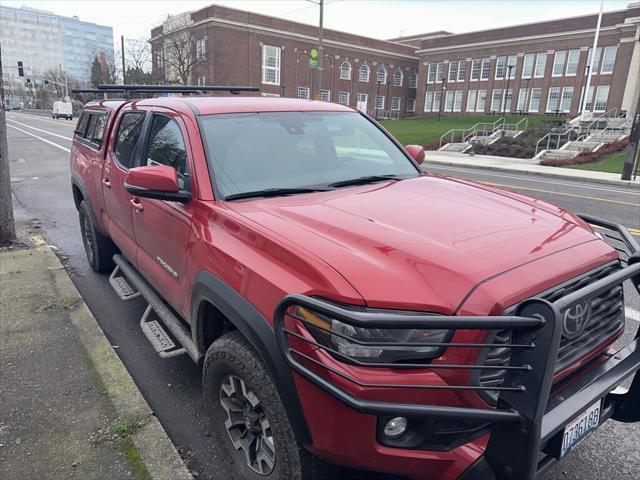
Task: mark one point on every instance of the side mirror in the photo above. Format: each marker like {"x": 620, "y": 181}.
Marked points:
{"x": 416, "y": 152}
{"x": 159, "y": 182}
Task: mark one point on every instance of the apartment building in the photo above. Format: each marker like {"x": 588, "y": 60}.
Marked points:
{"x": 44, "y": 41}
{"x": 533, "y": 68}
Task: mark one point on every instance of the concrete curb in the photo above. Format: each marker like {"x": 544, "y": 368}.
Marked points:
{"x": 156, "y": 450}
{"x": 559, "y": 176}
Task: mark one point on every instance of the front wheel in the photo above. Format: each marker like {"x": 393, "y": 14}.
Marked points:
{"x": 248, "y": 419}
{"x": 99, "y": 249}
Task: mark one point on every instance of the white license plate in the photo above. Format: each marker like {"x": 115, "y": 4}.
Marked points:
{"x": 575, "y": 431}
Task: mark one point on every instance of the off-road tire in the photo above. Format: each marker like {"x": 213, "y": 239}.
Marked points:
{"x": 232, "y": 354}
{"x": 99, "y": 249}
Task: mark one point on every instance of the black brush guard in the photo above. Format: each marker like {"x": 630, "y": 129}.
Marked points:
{"x": 527, "y": 418}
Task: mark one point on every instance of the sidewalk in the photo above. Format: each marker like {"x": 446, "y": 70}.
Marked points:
{"x": 68, "y": 407}
{"x": 522, "y": 165}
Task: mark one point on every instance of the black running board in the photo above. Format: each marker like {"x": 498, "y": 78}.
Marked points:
{"x": 160, "y": 308}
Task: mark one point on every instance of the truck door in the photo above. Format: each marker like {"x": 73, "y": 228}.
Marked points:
{"x": 121, "y": 156}
{"x": 162, "y": 228}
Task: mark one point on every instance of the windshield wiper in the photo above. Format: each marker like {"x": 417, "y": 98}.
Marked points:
{"x": 273, "y": 192}
{"x": 363, "y": 180}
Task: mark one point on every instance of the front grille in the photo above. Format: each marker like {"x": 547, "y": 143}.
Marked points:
{"x": 606, "y": 319}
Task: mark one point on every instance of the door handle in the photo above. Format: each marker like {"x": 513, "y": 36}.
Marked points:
{"x": 106, "y": 182}
{"x": 136, "y": 204}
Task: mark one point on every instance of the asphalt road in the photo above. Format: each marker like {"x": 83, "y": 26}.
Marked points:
{"x": 39, "y": 154}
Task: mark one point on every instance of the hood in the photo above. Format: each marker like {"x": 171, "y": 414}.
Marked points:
{"x": 421, "y": 243}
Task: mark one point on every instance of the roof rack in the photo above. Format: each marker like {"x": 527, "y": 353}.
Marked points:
{"x": 126, "y": 89}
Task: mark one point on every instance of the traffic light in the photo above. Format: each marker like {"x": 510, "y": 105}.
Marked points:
{"x": 20, "y": 69}
{"x": 28, "y": 82}
{"x": 46, "y": 83}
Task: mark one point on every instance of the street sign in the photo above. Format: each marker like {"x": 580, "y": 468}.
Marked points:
{"x": 314, "y": 58}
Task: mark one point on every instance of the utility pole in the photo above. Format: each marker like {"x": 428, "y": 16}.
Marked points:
{"x": 632, "y": 149}
{"x": 7, "y": 225}
{"x": 124, "y": 75}
{"x": 320, "y": 46}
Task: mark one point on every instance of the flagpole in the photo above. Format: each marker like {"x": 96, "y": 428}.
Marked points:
{"x": 591, "y": 62}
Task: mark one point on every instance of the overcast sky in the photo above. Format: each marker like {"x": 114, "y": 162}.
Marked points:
{"x": 375, "y": 18}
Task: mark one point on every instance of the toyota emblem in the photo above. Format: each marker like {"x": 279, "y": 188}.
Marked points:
{"x": 576, "y": 319}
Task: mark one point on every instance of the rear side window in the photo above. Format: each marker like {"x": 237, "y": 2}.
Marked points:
{"x": 127, "y": 139}
{"x": 91, "y": 128}
{"x": 166, "y": 147}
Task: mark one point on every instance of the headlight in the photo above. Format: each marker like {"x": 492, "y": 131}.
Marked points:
{"x": 373, "y": 345}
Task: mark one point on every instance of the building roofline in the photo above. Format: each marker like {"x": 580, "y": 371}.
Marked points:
{"x": 409, "y": 48}
{"x": 518, "y": 38}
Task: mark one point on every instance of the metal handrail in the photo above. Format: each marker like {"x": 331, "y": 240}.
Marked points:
{"x": 466, "y": 133}
{"x": 517, "y": 126}
{"x": 558, "y": 137}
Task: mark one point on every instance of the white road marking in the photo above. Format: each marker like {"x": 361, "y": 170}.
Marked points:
{"x": 40, "y": 130}
{"x": 529, "y": 179}
{"x": 40, "y": 138}
{"x": 632, "y": 314}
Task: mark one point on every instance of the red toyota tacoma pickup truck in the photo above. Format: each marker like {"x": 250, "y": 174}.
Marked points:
{"x": 346, "y": 307}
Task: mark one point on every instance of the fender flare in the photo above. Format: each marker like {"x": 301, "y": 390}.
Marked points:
{"x": 78, "y": 181}
{"x": 252, "y": 324}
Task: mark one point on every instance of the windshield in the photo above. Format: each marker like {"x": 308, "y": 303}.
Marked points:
{"x": 298, "y": 150}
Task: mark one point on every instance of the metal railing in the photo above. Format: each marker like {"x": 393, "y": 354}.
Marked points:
{"x": 521, "y": 125}
{"x": 555, "y": 140}
{"x": 464, "y": 134}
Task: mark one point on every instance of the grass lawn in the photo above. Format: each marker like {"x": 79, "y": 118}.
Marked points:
{"x": 423, "y": 131}
{"x": 611, "y": 163}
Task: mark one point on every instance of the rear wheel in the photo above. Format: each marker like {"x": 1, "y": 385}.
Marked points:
{"x": 248, "y": 420}
{"x": 98, "y": 248}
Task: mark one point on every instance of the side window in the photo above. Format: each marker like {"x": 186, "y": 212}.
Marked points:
{"x": 98, "y": 131}
{"x": 91, "y": 125}
{"x": 166, "y": 147}
{"x": 82, "y": 124}
{"x": 127, "y": 139}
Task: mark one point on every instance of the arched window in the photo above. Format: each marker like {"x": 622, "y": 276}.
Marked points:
{"x": 382, "y": 75}
{"x": 398, "y": 78}
{"x": 345, "y": 70}
{"x": 413, "y": 79}
{"x": 364, "y": 72}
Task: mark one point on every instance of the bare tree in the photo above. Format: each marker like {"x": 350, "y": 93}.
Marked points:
{"x": 179, "y": 53}
{"x": 7, "y": 225}
{"x": 56, "y": 79}
{"x": 138, "y": 54}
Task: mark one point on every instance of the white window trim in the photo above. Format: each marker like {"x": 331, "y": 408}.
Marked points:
{"x": 375, "y": 102}
{"x": 555, "y": 63}
{"x": 364, "y": 67}
{"x": 544, "y": 68}
{"x": 479, "y": 60}
{"x": 413, "y": 80}
{"x": 482, "y": 78}
{"x": 428, "y": 95}
{"x": 532, "y": 56}
{"x": 469, "y": 98}
{"x": 430, "y": 67}
{"x": 401, "y": 79}
{"x": 340, "y": 93}
{"x": 399, "y": 101}
{"x": 566, "y": 67}
{"x": 276, "y": 69}
{"x": 504, "y": 67}
{"x": 482, "y": 97}
{"x": 384, "y": 70}
{"x": 562, "y": 92}
{"x": 615, "y": 57}
{"x": 303, "y": 89}
{"x": 457, "y": 100}
{"x": 349, "y": 70}
{"x": 531, "y": 99}
{"x": 553, "y": 89}
{"x": 328, "y": 92}
{"x": 595, "y": 98}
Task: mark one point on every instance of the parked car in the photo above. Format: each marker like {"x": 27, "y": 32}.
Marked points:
{"x": 347, "y": 307}
{"x": 62, "y": 110}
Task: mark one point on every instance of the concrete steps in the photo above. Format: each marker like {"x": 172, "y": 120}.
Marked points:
{"x": 582, "y": 146}
{"x": 559, "y": 154}
{"x": 455, "y": 147}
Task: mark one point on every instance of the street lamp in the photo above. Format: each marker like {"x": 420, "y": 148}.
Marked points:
{"x": 444, "y": 87}
{"x": 526, "y": 99}
{"x": 376, "y": 99}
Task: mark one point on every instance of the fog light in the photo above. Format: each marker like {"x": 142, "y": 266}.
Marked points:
{"x": 395, "y": 427}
